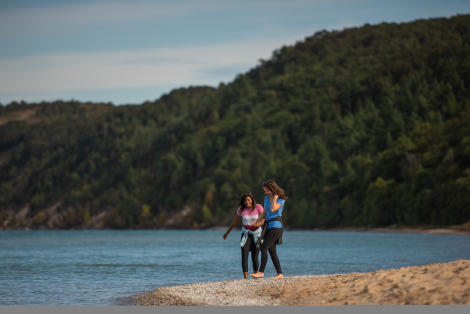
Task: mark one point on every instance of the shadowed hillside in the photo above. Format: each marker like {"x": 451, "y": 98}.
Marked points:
{"x": 362, "y": 127}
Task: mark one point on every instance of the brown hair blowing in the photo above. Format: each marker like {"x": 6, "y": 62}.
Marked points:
{"x": 273, "y": 187}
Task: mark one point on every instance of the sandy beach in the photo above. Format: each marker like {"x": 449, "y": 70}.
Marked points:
{"x": 440, "y": 283}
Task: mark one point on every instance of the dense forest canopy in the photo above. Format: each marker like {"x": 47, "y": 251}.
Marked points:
{"x": 362, "y": 127}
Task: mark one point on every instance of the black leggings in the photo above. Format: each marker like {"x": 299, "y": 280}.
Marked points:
{"x": 250, "y": 246}
{"x": 269, "y": 243}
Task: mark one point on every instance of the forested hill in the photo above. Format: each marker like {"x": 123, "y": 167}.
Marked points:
{"x": 368, "y": 126}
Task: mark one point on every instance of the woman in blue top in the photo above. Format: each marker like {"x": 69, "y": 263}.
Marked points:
{"x": 273, "y": 205}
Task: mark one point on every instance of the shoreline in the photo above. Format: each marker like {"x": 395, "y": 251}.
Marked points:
{"x": 456, "y": 229}
{"x": 404, "y": 230}
{"x": 460, "y": 230}
{"x": 433, "y": 284}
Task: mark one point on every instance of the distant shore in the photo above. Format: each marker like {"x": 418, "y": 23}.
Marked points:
{"x": 440, "y": 283}
{"x": 460, "y": 229}
{"x": 450, "y": 230}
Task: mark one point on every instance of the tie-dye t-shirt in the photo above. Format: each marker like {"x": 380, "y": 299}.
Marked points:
{"x": 250, "y": 216}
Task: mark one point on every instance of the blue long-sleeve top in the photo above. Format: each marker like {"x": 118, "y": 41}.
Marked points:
{"x": 274, "y": 214}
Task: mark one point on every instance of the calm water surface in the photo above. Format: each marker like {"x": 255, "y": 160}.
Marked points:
{"x": 106, "y": 267}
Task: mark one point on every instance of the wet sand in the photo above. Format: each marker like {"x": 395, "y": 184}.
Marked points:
{"x": 440, "y": 283}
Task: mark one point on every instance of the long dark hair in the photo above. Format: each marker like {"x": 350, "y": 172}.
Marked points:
{"x": 273, "y": 187}
{"x": 242, "y": 200}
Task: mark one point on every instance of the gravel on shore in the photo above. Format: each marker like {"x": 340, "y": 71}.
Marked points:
{"x": 230, "y": 292}
{"x": 440, "y": 283}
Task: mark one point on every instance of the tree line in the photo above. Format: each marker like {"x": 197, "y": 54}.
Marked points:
{"x": 362, "y": 127}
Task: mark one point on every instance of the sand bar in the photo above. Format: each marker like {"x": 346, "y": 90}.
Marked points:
{"x": 440, "y": 283}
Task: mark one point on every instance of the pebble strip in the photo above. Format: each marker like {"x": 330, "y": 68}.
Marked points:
{"x": 222, "y": 293}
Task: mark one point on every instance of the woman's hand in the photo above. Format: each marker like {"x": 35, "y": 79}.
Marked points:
{"x": 259, "y": 223}
{"x": 235, "y": 221}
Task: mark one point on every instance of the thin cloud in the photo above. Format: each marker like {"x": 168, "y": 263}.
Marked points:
{"x": 72, "y": 17}
{"x": 194, "y": 65}
{"x": 77, "y": 16}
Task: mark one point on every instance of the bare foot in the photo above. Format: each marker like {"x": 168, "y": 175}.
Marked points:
{"x": 257, "y": 275}
{"x": 279, "y": 276}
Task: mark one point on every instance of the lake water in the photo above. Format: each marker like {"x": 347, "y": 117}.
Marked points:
{"x": 106, "y": 267}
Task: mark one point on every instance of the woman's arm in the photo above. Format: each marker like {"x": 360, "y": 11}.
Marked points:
{"x": 275, "y": 206}
{"x": 260, "y": 220}
{"x": 235, "y": 221}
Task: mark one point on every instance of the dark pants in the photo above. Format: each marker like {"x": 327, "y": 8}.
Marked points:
{"x": 250, "y": 246}
{"x": 269, "y": 244}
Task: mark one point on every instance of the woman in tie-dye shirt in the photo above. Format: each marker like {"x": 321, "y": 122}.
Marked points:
{"x": 249, "y": 212}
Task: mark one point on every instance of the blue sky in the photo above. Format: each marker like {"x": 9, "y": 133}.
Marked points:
{"x": 132, "y": 51}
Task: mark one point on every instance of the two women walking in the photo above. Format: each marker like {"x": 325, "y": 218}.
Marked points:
{"x": 262, "y": 228}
